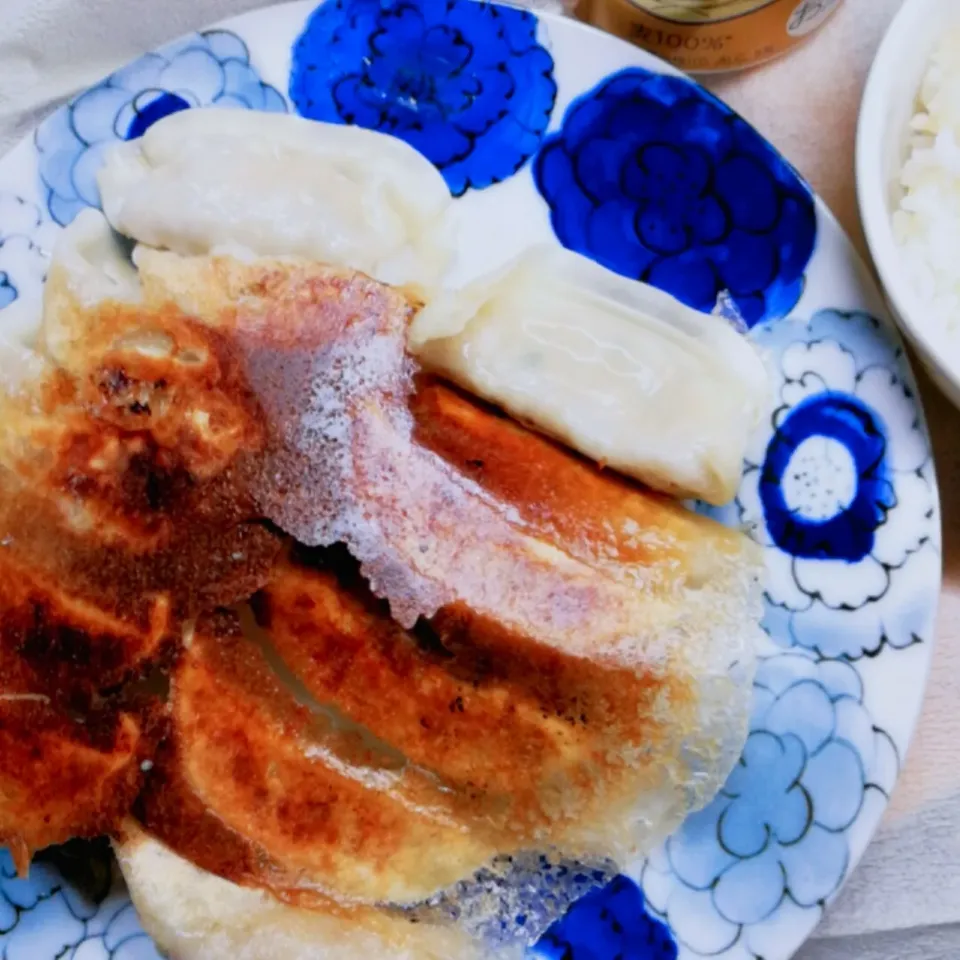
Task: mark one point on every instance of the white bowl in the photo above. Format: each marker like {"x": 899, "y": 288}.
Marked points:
{"x": 889, "y": 101}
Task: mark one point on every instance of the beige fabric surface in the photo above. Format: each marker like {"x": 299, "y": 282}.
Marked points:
{"x": 904, "y": 901}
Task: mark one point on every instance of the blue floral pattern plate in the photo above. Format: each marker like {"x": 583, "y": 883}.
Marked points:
{"x": 545, "y": 130}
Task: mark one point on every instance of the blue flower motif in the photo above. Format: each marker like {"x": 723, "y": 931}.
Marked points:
{"x": 465, "y": 83}
{"x": 610, "y": 922}
{"x": 755, "y": 868}
{"x": 656, "y": 179}
{"x": 839, "y": 489}
{"x": 53, "y": 909}
{"x": 205, "y": 69}
{"x": 48, "y": 929}
{"x": 25, "y": 243}
{"x": 832, "y": 517}
{"x": 8, "y": 292}
{"x": 18, "y": 894}
{"x": 116, "y": 934}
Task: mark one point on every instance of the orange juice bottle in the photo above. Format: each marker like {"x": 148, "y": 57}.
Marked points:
{"x": 706, "y": 36}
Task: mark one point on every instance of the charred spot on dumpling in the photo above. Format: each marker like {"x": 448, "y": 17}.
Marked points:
{"x": 186, "y": 378}
{"x": 431, "y": 642}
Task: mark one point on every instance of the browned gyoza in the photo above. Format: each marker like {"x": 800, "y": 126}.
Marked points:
{"x": 123, "y": 513}
{"x": 61, "y": 776}
{"x": 564, "y": 590}
{"x": 259, "y": 789}
{"x": 547, "y": 669}
{"x": 529, "y": 745}
{"x": 531, "y": 735}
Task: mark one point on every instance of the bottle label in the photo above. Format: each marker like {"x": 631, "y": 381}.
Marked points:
{"x": 711, "y": 35}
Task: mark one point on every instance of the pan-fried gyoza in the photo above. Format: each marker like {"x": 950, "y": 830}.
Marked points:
{"x": 123, "y": 514}
{"x": 466, "y": 648}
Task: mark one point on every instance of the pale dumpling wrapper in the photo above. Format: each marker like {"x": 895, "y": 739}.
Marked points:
{"x": 213, "y": 180}
{"x": 198, "y": 916}
{"x": 615, "y": 368}
{"x": 88, "y": 265}
{"x": 20, "y": 320}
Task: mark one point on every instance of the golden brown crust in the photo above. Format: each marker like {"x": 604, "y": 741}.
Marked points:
{"x": 127, "y": 443}
{"x": 530, "y": 743}
{"x": 74, "y": 642}
{"x": 67, "y": 773}
{"x": 300, "y": 807}
{"x": 593, "y": 514}
{"x": 124, "y": 501}
{"x": 124, "y": 512}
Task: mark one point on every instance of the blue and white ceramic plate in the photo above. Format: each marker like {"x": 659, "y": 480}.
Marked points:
{"x": 545, "y": 129}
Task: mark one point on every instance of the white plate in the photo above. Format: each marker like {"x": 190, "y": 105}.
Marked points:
{"x": 548, "y": 130}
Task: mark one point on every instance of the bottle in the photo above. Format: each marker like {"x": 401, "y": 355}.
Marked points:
{"x": 710, "y": 36}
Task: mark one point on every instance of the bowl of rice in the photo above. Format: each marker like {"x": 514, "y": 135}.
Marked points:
{"x": 908, "y": 180}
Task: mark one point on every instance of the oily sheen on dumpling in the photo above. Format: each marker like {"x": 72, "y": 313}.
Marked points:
{"x": 453, "y": 510}
{"x": 608, "y": 616}
{"x": 278, "y": 185}
{"x": 615, "y": 368}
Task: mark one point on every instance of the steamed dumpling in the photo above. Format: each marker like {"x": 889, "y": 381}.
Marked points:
{"x": 277, "y": 185}
{"x": 617, "y": 369}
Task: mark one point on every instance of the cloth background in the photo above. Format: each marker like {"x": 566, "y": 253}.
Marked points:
{"x": 903, "y": 903}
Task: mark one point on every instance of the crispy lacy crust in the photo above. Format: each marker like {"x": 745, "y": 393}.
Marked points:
{"x": 194, "y": 915}
{"x": 260, "y": 790}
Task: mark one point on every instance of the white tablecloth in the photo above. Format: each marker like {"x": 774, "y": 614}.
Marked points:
{"x": 904, "y": 901}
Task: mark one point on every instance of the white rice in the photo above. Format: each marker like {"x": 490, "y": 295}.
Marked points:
{"x": 927, "y": 225}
